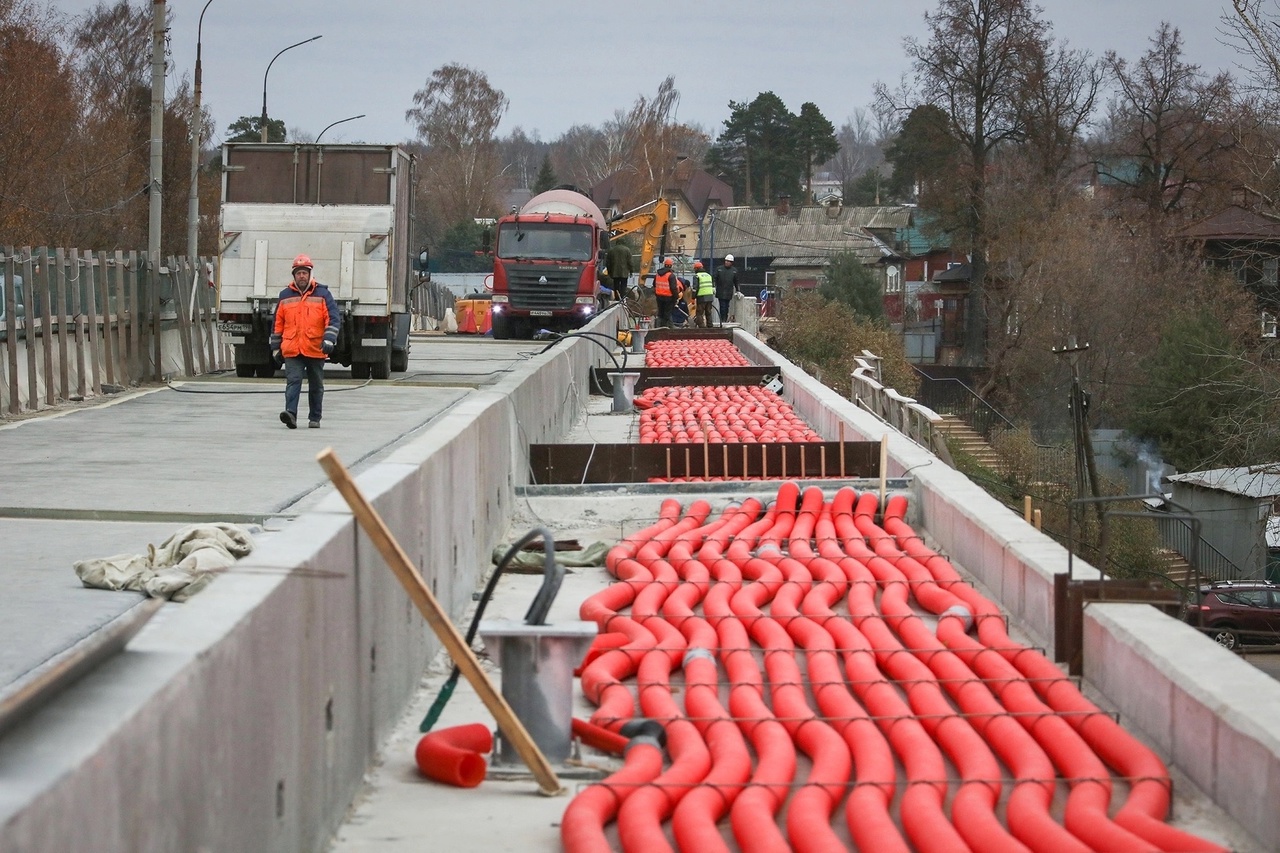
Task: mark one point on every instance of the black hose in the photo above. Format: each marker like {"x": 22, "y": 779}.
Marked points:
{"x": 541, "y": 601}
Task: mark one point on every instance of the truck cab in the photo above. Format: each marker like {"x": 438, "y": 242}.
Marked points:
{"x": 546, "y": 265}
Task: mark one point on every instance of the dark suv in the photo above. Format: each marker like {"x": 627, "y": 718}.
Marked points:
{"x": 1236, "y": 612}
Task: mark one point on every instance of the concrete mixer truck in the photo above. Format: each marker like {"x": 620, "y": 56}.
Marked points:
{"x": 545, "y": 262}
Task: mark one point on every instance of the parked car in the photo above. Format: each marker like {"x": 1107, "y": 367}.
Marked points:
{"x": 1237, "y": 612}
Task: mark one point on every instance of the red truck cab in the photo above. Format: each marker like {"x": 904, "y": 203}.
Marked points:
{"x": 546, "y": 263}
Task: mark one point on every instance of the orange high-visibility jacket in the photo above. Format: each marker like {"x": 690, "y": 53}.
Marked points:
{"x": 305, "y": 320}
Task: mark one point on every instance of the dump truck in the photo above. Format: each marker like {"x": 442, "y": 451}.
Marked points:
{"x": 350, "y": 208}
{"x": 546, "y": 261}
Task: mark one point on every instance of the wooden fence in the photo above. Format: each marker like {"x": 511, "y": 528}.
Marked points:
{"x": 76, "y": 324}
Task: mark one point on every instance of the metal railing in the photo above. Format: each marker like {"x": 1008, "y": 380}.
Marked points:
{"x": 950, "y": 396}
{"x": 1210, "y": 563}
{"x": 917, "y": 422}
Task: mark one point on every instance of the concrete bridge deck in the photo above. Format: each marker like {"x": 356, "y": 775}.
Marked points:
{"x": 246, "y": 719}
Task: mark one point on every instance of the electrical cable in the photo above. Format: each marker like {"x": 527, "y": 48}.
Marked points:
{"x": 540, "y": 603}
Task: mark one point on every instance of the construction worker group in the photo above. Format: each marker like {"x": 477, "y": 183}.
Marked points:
{"x": 702, "y": 294}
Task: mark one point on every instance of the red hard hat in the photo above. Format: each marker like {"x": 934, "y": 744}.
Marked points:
{"x": 301, "y": 262}
{"x": 697, "y": 265}
{"x": 668, "y": 262}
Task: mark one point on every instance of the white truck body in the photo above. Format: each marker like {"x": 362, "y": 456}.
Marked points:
{"x": 349, "y": 208}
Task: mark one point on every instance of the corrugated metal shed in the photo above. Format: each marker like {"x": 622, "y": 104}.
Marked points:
{"x": 1257, "y": 481}
{"x": 807, "y": 236}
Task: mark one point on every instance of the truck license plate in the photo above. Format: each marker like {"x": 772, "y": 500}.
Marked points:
{"x": 235, "y": 328}
{"x": 539, "y": 313}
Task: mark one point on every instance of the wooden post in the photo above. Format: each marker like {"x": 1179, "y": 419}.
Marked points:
{"x": 45, "y": 291}
{"x": 11, "y": 334}
{"x": 706, "y": 453}
{"x": 724, "y": 470}
{"x": 108, "y": 332}
{"x": 784, "y": 461}
{"x": 64, "y": 322}
{"x": 459, "y": 650}
{"x": 842, "y": 450}
{"x": 1036, "y": 519}
{"x": 29, "y": 330}
{"x": 77, "y": 312}
{"x": 764, "y": 462}
{"x": 668, "y": 464}
{"x": 884, "y": 469}
{"x": 1026, "y": 508}
{"x": 822, "y": 461}
{"x": 804, "y": 470}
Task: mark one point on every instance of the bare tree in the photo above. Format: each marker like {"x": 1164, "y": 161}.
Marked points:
{"x": 1254, "y": 31}
{"x": 456, "y": 115}
{"x": 1167, "y": 142}
{"x": 974, "y": 66}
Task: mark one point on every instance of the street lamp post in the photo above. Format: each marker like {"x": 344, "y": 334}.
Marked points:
{"x": 193, "y": 200}
{"x": 264, "y": 81}
{"x": 339, "y": 121}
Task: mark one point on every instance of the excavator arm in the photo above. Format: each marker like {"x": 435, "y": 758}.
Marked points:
{"x": 650, "y": 221}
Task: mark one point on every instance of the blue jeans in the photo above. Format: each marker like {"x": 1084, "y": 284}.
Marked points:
{"x": 294, "y": 369}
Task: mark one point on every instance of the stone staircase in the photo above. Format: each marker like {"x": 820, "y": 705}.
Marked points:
{"x": 963, "y": 439}
{"x": 1175, "y": 567}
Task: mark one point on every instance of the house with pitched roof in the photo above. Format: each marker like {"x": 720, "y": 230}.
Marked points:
{"x": 1246, "y": 243}
{"x": 690, "y": 192}
{"x": 788, "y": 247}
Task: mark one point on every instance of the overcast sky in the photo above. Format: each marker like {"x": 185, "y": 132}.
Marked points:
{"x": 562, "y": 63}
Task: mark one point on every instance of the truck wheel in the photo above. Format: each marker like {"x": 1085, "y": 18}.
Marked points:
{"x": 246, "y": 371}
{"x": 266, "y": 371}
{"x": 501, "y": 327}
{"x": 381, "y": 369}
{"x": 400, "y": 360}
{"x": 359, "y": 370}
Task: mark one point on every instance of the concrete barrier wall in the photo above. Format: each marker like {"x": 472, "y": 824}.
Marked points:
{"x": 246, "y": 718}
{"x": 1212, "y": 713}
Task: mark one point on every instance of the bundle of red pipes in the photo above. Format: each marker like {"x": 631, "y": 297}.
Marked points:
{"x": 691, "y": 414}
{"x": 973, "y": 720}
{"x": 694, "y": 352}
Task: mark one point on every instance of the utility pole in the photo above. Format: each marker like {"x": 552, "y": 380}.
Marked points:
{"x": 1086, "y": 468}
{"x": 157, "y": 129}
{"x": 193, "y": 200}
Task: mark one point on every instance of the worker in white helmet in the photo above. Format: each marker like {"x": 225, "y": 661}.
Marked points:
{"x": 726, "y": 286}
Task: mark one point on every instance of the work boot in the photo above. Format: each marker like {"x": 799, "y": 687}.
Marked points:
{"x": 289, "y": 420}
{"x": 313, "y": 425}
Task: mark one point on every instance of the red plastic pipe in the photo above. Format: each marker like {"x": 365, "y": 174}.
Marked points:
{"x": 455, "y": 755}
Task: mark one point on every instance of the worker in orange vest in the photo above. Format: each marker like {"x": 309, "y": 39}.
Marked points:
{"x": 667, "y": 289}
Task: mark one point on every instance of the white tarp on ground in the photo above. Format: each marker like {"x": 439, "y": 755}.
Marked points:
{"x": 176, "y": 569}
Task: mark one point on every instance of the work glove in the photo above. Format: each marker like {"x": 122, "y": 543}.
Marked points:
{"x": 279, "y": 359}
{"x": 326, "y": 347}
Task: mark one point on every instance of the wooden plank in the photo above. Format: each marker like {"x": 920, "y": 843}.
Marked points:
{"x": 157, "y": 357}
{"x": 123, "y": 344}
{"x": 195, "y": 310}
{"x": 29, "y": 333}
{"x": 178, "y": 273}
{"x": 47, "y": 294}
{"x": 104, "y": 303}
{"x": 64, "y": 322}
{"x": 465, "y": 659}
{"x": 95, "y": 322}
{"x": 75, "y": 287}
{"x": 137, "y": 350}
{"x": 11, "y": 334}
{"x": 209, "y": 324}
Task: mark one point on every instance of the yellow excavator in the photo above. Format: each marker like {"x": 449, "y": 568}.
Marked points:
{"x": 650, "y": 221}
